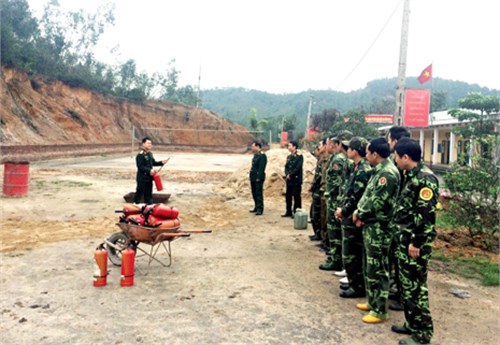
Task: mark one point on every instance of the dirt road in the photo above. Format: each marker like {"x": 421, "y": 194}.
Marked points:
{"x": 254, "y": 280}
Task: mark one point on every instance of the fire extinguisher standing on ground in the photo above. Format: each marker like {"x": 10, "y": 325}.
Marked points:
{"x": 128, "y": 260}
{"x": 101, "y": 266}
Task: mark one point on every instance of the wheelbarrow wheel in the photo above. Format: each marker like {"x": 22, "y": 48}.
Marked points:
{"x": 119, "y": 241}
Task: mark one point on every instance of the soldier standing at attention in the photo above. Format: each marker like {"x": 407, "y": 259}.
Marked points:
{"x": 352, "y": 236}
{"x": 325, "y": 161}
{"x": 395, "y": 133}
{"x": 315, "y": 212}
{"x": 293, "y": 177}
{"x": 145, "y": 172}
{"x": 375, "y": 212}
{"x": 415, "y": 217}
{"x": 257, "y": 177}
{"x": 335, "y": 180}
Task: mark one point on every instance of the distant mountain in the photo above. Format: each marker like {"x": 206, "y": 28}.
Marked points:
{"x": 237, "y": 104}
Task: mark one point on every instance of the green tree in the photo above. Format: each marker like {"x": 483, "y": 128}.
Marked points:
{"x": 325, "y": 120}
{"x": 354, "y": 121}
{"x": 475, "y": 188}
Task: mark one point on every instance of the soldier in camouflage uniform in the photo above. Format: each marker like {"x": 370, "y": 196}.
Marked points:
{"x": 328, "y": 155}
{"x": 145, "y": 172}
{"x": 315, "y": 212}
{"x": 352, "y": 236}
{"x": 415, "y": 217}
{"x": 395, "y": 133}
{"x": 293, "y": 177}
{"x": 375, "y": 212}
{"x": 257, "y": 177}
{"x": 336, "y": 176}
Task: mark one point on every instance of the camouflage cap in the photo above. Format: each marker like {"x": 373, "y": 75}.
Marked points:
{"x": 358, "y": 143}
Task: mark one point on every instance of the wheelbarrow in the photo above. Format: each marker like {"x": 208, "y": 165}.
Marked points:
{"x": 132, "y": 235}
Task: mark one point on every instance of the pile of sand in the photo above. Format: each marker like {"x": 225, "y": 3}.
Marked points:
{"x": 238, "y": 184}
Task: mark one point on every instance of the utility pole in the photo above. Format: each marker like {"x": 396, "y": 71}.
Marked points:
{"x": 309, "y": 115}
{"x": 199, "y": 85}
{"x": 398, "y": 119}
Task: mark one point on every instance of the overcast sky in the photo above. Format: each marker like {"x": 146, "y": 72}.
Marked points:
{"x": 292, "y": 46}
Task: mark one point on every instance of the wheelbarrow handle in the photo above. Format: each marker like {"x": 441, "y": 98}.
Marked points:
{"x": 198, "y": 231}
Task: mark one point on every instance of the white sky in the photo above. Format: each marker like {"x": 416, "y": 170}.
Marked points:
{"x": 296, "y": 45}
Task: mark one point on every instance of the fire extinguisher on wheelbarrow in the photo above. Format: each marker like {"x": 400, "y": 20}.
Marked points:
{"x": 157, "y": 178}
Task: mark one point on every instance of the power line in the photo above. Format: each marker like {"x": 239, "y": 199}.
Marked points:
{"x": 370, "y": 47}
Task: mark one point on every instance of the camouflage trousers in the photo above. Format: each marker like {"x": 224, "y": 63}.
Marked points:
{"x": 315, "y": 213}
{"x": 323, "y": 222}
{"x": 334, "y": 229}
{"x": 413, "y": 277}
{"x": 394, "y": 268}
{"x": 377, "y": 239}
{"x": 353, "y": 255}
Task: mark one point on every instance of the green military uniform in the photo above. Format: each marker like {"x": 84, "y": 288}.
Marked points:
{"x": 293, "y": 172}
{"x": 352, "y": 236}
{"x": 257, "y": 178}
{"x": 315, "y": 211}
{"x": 336, "y": 175}
{"x": 415, "y": 218}
{"x": 395, "y": 289}
{"x": 322, "y": 187}
{"x": 376, "y": 209}
{"x": 145, "y": 162}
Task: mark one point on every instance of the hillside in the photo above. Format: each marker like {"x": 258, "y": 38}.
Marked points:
{"x": 37, "y": 111}
{"x": 376, "y": 97}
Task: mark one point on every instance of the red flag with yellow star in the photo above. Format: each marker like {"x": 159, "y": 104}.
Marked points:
{"x": 426, "y": 75}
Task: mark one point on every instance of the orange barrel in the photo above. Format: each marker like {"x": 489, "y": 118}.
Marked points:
{"x": 15, "y": 178}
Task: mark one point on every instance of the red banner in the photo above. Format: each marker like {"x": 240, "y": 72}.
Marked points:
{"x": 417, "y": 104}
{"x": 284, "y": 138}
{"x": 379, "y": 118}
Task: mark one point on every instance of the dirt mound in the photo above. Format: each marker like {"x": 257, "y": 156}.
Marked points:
{"x": 238, "y": 184}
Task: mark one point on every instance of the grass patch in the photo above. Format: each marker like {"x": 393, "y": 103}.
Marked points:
{"x": 445, "y": 220}
{"x": 479, "y": 267}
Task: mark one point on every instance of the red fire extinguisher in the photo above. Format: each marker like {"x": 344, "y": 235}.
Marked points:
{"x": 128, "y": 260}
{"x": 101, "y": 266}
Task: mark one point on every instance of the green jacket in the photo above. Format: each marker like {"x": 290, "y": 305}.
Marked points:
{"x": 316, "y": 182}
{"x": 258, "y": 169}
{"x": 355, "y": 187}
{"x": 378, "y": 203}
{"x": 416, "y": 207}
{"x": 145, "y": 162}
{"x": 293, "y": 168}
{"x": 336, "y": 176}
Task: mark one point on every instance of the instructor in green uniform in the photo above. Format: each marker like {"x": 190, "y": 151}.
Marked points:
{"x": 257, "y": 177}
{"x": 293, "y": 177}
{"x": 145, "y": 172}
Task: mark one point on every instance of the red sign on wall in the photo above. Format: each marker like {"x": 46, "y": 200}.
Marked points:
{"x": 378, "y": 118}
{"x": 417, "y": 104}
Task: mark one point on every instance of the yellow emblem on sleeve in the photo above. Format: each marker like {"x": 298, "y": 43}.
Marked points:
{"x": 426, "y": 194}
{"x": 382, "y": 181}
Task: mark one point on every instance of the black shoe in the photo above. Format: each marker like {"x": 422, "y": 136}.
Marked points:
{"x": 396, "y": 306}
{"x": 400, "y": 329}
{"x": 258, "y": 213}
{"x": 314, "y": 238}
{"x": 253, "y": 211}
{"x": 287, "y": 215}
{"x": 350, "y": 293}
{"x": 344, "y": 286}
{"x": 327, "y": 266}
